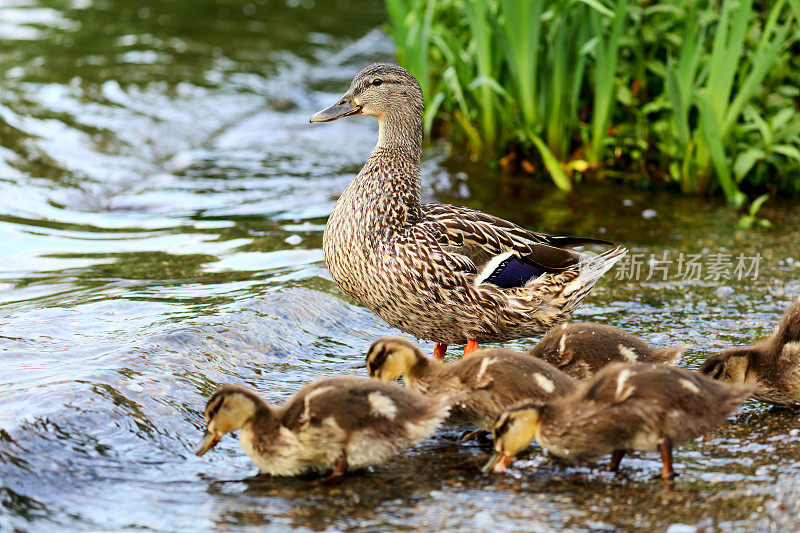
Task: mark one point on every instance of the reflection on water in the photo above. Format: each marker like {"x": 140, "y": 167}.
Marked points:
{"x": 162, "y": 202}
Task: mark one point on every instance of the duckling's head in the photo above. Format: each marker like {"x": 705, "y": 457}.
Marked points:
{"x": 391, "y": 357}
{"x": 513, "y": 432}
{"x": 731, "y": 366}
{"x": 230, "y": 408}
{"x": 382, "y": 90}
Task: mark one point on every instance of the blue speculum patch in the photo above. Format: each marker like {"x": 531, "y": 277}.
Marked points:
{"x": 514, "y": 272}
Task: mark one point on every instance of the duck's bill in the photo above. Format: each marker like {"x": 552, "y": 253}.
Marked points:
{"x": 498, "y": 463}
{"x": 343, "y": 109}
{"x": 209, "y": 441}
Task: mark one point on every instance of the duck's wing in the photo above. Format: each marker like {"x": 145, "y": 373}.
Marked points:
{"x": 462, "y": 226}
{"x": 503, "y": 253}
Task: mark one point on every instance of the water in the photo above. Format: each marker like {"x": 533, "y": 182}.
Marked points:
{"x": 162, "y": 202}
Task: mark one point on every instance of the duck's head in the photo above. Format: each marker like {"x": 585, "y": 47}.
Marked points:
{"x": 230, "y": 408}
{"x": 731, "y": 366}
{"x": 391, "y": 357}
{"x": 513, "y": 432}
{"x": 382, "y": 90}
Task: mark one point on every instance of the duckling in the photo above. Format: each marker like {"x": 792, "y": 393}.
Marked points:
{"x": 639, "y": 406}
{"x": 484, "y": 384}
{"x": 334, "y": 424}
{"x": 581, "y": 349}
{"x": 773, "y": 363}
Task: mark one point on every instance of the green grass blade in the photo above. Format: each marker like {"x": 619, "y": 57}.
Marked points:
{"x": 606, "y": 58}
{"x": 430, "y": 113}
{"x": 710, "y": 128}
{"x": 552, "y": 164}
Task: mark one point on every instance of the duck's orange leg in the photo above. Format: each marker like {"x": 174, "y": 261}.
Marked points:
{"x": 470, "y": 347}
{"x": 440, "y": 350}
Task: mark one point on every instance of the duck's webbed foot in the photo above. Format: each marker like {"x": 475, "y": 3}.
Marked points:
{"x": 439, "y": 350}
{"x": 471, "y": 346}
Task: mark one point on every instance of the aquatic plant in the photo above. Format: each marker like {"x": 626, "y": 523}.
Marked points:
{"x": 701, "y": 94}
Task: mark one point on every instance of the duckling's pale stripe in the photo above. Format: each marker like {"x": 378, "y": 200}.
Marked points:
{"x": 484, "y": 365}
{"x": 623, "y": 391}
{"x": 628, "y": 353}
{"x": 316, "y": 392}
{"x": 688, "y": 385}
{"x": 382, "y": 405}
{"x": 546, "y": 384}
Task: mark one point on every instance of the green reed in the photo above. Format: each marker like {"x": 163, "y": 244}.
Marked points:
{"x": 701, "y": 93}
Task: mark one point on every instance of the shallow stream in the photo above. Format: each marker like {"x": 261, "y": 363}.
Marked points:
{"x": 162, "y": 202}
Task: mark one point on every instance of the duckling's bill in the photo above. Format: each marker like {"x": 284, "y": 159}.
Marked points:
{"x": 209, "y": 441}
{"x": 344, "y": 108}
{"x": 498, "y": 463}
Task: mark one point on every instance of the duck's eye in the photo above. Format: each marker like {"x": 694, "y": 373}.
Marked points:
{"x": 377, "y": 82}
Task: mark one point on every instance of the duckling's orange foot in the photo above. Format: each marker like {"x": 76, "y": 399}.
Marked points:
{"x": 667, "y": 472}
{"x": 439, "y": 350}
{"x": 470, "y": 347}
{"x": 340, "y": 468}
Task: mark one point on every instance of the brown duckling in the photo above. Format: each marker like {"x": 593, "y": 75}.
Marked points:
{"x": 336, "y": 424}
{"x": 772, "y": 364}
{"x": 581, "y": 349}
{"x": 625, "y": 407}
{"x": 484, "y": 384}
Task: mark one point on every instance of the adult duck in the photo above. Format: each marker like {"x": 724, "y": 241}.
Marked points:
{"x": 440, "y": 272}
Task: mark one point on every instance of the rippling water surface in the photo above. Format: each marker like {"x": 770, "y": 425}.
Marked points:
{"x": 162, "y": 202}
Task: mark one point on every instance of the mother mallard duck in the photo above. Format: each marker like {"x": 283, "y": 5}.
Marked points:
{"x": 441, "y": 272}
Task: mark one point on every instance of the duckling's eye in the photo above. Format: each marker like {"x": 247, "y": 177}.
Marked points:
{"x": 377, "y": 81}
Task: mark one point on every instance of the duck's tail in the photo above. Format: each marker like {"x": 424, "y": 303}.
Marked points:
{"x": 436, "y": 412}
{"x": 672, "y": 355}
{"x": 788, "y": 329}
{"x": 589, "y": 272}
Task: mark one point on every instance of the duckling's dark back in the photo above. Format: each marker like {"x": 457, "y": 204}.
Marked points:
{"x": 689, "y": 402}
{"x": 499, "y": 368}
{"x": 581, "y": 349}
{"x": 358, "y": 402}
